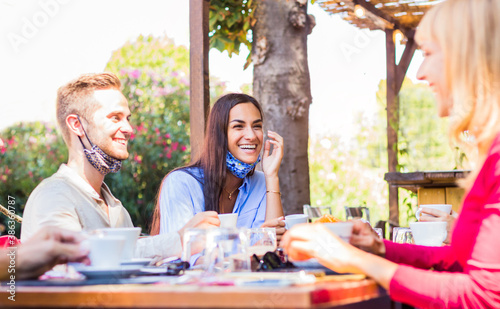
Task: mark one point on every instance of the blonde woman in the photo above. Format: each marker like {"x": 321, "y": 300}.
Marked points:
{"x": 461, "y": 42}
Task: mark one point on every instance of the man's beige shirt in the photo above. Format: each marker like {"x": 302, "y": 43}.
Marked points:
{"x": 67, "y": 201}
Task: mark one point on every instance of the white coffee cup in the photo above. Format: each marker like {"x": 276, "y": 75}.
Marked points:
{"x": 429, "y": 233}
{"x": 228, "y": 220}
{"x": 291, "y": 220}
{"x": 341, "y": 229}
{"x": 442, "y": 207}
{"x": 105, "y": 251}
{"x": 130, "y": 234}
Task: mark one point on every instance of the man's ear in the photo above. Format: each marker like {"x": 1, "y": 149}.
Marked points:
{"x": 74, "y": 125}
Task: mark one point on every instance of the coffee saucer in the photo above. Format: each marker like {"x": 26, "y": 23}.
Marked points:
{"x": 137, "y": 262}
{"x": 124, "y": 271}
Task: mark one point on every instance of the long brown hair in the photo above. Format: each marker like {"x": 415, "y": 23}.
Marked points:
{"x": 212, "y": 159}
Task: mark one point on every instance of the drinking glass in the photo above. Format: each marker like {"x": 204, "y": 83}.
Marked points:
{"x": 193, "y": 243}
{"x": 402, "y": 235}
{"x": 261, "y": 240}
{"x": 379, "y": 231}
{"x": 227, "y": 251}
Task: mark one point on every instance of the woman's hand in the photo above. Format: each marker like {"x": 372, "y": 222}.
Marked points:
{"x": 48, "y": 247}
{"x": 271, "y": 163}
{"x": 365, "y": 238}
{"x": 305, "y": 241}
{"x": 202, "y": 220}
{"x": 278, "y": 224}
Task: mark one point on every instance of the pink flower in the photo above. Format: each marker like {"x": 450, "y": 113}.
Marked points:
{"x": 140, "y": 127}
{"x": 169, "y": 154}
{"x": 3, "y": 150}
{"x": 174, "y": 146}
{"x": 167, "y": 135}
{"x": 183, "y": 148}
{"x": 30, "y": 173}
{"x": 157, "y": 130}
{"x": 135, "y": 74}
{"x": 139, "y": 92}
{"x": 138, "y": 159}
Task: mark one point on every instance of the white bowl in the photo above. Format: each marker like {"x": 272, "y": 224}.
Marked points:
{"x": 429, "y": 233}
{"x": 341, "y": 229}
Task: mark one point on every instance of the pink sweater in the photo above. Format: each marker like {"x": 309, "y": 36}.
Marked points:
{"x": 467, "y": 272}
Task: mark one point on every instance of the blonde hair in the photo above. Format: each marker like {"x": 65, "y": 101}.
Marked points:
{"x": 76, "y": 97}
{"x": 468, "y": 32}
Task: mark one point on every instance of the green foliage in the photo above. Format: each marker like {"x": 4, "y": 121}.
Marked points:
{"x": 339, "y": 178}
{"x": 353, "y": 174}
{"x": 32, "y": 152}
{"x": 230, "y": 22}
{"x": 155, "y": 79}
{"x": 423, "y": 143}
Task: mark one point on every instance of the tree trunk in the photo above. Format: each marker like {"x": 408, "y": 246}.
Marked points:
{"x": 281, "y": 84}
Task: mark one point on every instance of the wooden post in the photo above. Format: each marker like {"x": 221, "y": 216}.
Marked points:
{"x": 199, "y": 78}
{"x": 392, "y": 124}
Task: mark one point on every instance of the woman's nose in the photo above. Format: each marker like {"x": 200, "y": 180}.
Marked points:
{"x": 249, "y": 133}
{"x": 421, "y": 72}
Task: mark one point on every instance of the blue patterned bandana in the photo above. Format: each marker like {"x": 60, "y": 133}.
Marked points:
{"x": 238, "y": 168}
{"x": 100, "y": 160}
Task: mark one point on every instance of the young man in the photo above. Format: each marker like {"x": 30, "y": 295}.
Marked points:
{"x": 93, "y": 116}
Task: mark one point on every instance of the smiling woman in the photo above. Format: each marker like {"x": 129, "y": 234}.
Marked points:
{"x": 224, "y": 179}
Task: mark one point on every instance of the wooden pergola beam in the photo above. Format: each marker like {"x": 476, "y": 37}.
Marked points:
{"x": 395, "y": 78}
{"x": 199, "y": 77}
{"x": 372, "y": 9}
{"x": 392, "y": 123}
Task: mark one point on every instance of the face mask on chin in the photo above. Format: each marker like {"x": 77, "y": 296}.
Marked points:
{"x": 100, "y": 160}
{"x": 239, "y": 168}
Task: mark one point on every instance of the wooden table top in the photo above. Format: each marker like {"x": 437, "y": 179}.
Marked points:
{"x": 319, "y": 295}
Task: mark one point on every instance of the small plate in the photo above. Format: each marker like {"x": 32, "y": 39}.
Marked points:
{"x": 100, "y": 273}
{"x": 137, "y": 262}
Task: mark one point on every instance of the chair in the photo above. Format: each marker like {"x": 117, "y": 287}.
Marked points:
{"x": 358, "y": 212}
{"x": 315, "y": 212}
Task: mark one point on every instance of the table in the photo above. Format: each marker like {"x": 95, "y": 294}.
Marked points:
{"x": 363, "y": 293}
{"x": 432, "y": 187}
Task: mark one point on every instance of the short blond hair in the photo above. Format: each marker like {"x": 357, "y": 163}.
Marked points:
{"x": 76, "y": 97}
{"x": 468, "y": 32}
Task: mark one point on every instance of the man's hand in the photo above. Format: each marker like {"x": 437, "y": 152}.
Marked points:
{"x": 48, "y": 247}
{"x": 202, "y": 220}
